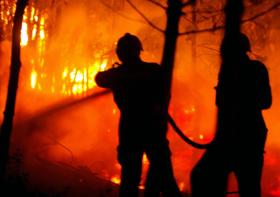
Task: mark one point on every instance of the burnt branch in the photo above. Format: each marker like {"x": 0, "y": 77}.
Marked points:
{"x": 210, "y": 29}
{"x": 144, "y": 17}
{"x": 219, "y": 27}
{"x": 121, "y": 14}
{"x": 63, "y": 146}
{"x": 275, "y": 6}
{"x": 158, "y": 4}
{"x": 189, "y": 2}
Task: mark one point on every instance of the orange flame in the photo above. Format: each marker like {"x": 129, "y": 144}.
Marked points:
{"x": 33, "y": 79}
{"x": 116, "y": 179}
{"x": 182, "y": 186}
{"x": 24, "y": 34}
{"x": 73, "y": 80}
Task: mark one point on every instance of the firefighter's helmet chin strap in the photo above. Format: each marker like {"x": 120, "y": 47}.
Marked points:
{"x": 184, "y": 137}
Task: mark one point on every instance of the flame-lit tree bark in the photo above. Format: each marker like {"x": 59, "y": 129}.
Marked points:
{"x": 7, "y": 125}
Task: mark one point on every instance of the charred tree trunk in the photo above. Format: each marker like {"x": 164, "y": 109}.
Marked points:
{"x": 209, "y": 176}
{"x": 7, "y": 125}
{"x": 174, "y": 12}
{"x": 233, "y": 12}
{"x": 230, "y": 49}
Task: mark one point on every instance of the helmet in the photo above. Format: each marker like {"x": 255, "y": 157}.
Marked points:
{"x": 235, "y": 44}
{"x": 128, "y": 47}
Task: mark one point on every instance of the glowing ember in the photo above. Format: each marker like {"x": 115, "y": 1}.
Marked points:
{"x": 182, "y": 186}
{"x": 141, "y": 187}
{"x": 193, "y": 109}
{"x": 116, "y": 179}
{"x": 114, "y": 111}
{"x": 201, "y": 137}
{"x": 189, "y": 110}
{"x": 145, "y": 160}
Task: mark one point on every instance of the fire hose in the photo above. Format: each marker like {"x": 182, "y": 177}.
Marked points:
{"x": 171, "y": 122}
{"x": 179, "y": 132}
{"x": 65, "y": 104}
{"x": 184, "y": 137}
{"x": 192, "y": 143}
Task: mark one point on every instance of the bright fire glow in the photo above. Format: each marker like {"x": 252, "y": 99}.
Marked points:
{"x": 116, "y": 179}
{"x": 73, "y": 80}
{"x": 42, "y": 31}
{"x": 141, "y": 187}
{"x": 24, "y": 34}
{"x": 33, "y": 79}
{"x": 276, "y": 191}
{"x": 182, "y": 186}
{"x": 114, "y": 111}
{"x": 145, "y": 159}
{"x": 76, "y": 78}
{"x": 34, "y": 31}
{"x": 42, "y": 34}
{"x": 103, "y": 65}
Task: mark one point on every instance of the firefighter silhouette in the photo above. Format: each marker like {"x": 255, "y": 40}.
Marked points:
{"x": 243, "y": 91}
{"x": 138, "y": 91}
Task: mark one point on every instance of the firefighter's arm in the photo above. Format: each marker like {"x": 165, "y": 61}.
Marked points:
{"x": 264, "y": 95}
{"x": 105, "y": 79}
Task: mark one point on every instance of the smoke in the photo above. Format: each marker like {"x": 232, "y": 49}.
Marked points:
{"x": 85, "y": 134}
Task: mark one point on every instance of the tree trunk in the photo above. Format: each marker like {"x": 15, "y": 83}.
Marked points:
{"x": 233, "y": 15}
{"x": 174, "y": 12}
{"x": 230, "y": 49}
{"x": 6, "y": 129}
